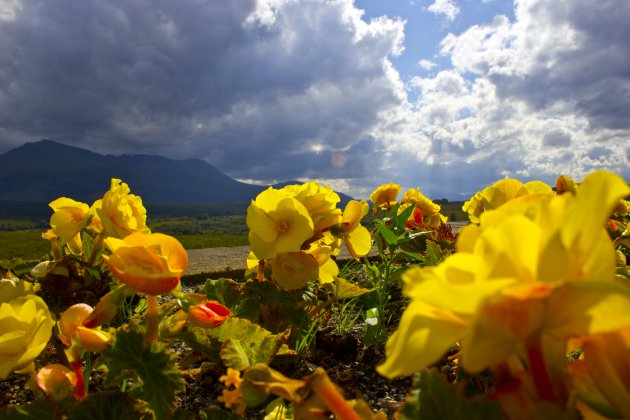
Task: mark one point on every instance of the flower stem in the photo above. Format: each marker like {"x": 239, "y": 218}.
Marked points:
{"x": 329, "y": 394}
{"x": 152, "y": 319}
{"x": 261, "y": 271}
{"x": 95, "y": 247}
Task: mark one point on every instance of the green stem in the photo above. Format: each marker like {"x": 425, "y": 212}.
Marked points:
{"x": 95, "y": 247}
{"x": 152, "y": 319}
{"x": 88, "y": 371}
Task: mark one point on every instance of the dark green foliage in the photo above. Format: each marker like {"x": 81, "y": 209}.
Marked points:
{"x": 153, "y": 366}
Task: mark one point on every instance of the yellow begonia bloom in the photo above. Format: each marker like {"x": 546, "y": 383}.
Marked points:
{"x": 149, "y": 263}
{"x": 119, "y": 212}
{"x": 355, "y": 236}
{"x": 293, "y": 270}
{"x": 384, "y": 197}
{"x": 69, "y": 218}
{"x": 25, "y": 328}
{"x": 429, "y": 210}
{"x": 328, "y": 268}
{"x": 14, "y": 288}
{"x": 566, "y": 184}
{"x": 499, "y": 193}
{"x": 319, "y": 201}
{"x": 538, "y": 265}
{"x": 278, "y": 224}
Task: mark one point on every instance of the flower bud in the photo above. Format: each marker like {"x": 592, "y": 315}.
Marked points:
{"x": 210, "y": 314}
{"x": 57, "y": 381}
{"x": 174, "y": 324}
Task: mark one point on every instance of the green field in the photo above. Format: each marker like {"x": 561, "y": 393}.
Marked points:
{"x": 22, "y": 238}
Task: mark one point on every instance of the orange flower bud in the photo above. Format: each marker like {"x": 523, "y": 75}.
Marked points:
{"x": 210, "y": 314}
{"x": 92, "y": 339}
{"x": 103, "y": 312}
{"x": 56, "y": 380}
{"x": 70, "y": 320}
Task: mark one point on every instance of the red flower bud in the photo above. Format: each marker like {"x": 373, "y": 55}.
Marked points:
{"x": 210, "y": 314}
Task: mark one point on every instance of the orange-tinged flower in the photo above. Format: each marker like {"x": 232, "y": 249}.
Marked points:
{"x": 384, "y": 197}
{"x": 73, "y": 332}
{"x": 119, "y": 212}
{"x": 209, "y": 314}
{"x": 429, "y": 211}
{"x": 278, "y": 224}
{"x": 150, "y": 263}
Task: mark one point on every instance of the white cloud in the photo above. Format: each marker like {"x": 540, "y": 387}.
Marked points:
{"x": 448, "y": 8}
{"x": 426, "y": 64}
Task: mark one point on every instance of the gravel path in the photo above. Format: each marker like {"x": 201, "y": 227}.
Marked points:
{"x": 218, "y": 260}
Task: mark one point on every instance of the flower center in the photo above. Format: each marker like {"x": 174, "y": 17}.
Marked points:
{"x": 283, "y": 226}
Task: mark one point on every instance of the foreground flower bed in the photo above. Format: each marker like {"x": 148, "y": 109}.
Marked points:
{"x": 522, "y": 315}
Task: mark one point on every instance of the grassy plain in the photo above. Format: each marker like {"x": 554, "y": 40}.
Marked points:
{"x": 22, "y": 238}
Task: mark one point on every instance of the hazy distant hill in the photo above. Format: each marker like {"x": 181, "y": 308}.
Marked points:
{"x": 45, "y": 170}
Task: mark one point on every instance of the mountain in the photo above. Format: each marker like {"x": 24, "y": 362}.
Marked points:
{"x": 45, "y": 170}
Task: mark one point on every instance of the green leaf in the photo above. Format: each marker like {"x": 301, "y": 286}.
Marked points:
{"x": 245, "y": 343}
{"x": 107, "y": 406}
{"x": 390, "y": 238}
{"x": 226, "y": 291}
{"x": 400, "y": 221}
{"x": 343, "y": 289}
{"x": 153, "y": 366}
{"x": 435, "y": 399}
{"x": 434, "y": 254}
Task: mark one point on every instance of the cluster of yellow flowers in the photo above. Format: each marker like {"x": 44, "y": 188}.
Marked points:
{"x": 533, "y": 273}
{"x": 426, "y": 212}
{"x": 298, "y": 228}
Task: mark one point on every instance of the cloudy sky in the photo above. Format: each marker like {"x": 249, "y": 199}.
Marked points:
{"x": 444, "y": 95}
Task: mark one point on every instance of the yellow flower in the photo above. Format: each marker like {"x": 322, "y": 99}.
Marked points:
{"x": 566, "y": 184}
{"x": 538, "y": 266}
{"x": 25, "y": 328}
{"x": 328, "y": 268}
{"x": 319, "y": 201}
{"x": 499, "y": 193}
{"x": 384, "y": 197}
{"x": 119, "y": 212}
{"x": 355, "y": 236}
{"x": 278, "y": 224}
{"x": 69, "y": 218}
{"x": 428, "y": 209}
{"x": 13, "y": 288}
{"x": 148, "y": 263}
{"x": 293, "y": 270}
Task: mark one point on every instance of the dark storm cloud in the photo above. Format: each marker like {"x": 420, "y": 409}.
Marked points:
{"x": 197, "y": 79}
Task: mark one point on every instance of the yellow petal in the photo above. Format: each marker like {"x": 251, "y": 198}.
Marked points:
{"x": 423, "y": 336}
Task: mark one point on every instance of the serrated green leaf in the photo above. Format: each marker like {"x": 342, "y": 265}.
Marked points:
{"x": 435, "y": 399}
{"x": 245, "y": 343}
{"x": 153, "y": 366}
{"x": 107, "y": 406}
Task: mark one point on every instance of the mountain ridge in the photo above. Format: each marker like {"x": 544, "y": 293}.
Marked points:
{"x": 45, "y": 170}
